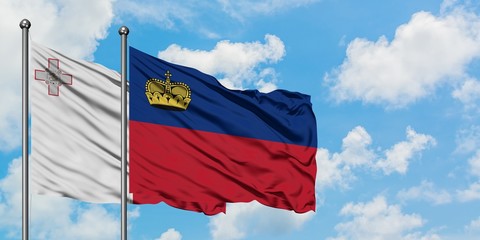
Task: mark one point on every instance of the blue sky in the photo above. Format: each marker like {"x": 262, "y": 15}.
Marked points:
{"x": 395, "y": 88}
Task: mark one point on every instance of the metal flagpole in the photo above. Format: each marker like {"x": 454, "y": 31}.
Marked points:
{"x": 25, "y": 25}
{"x": 123, "y": 31}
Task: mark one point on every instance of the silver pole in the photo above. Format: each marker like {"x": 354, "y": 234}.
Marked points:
{"x": 123, "y": 31}
{"x": 25, "y": 25}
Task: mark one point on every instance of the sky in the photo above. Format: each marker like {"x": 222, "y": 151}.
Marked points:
{"x": 395, "y": 88}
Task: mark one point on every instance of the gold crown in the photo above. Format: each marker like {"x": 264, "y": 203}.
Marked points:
{"x": 170, "y": 95}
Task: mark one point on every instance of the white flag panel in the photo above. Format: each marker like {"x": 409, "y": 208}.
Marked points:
{"x": 75, "y": 128}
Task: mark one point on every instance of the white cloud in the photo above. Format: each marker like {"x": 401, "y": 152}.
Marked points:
{"x": 11, "y": 196}
{"x": 425, "y": 191}
{"x": 244, "y": 9}
{"x": 420, "y": 236}
{"x": 357, "y": 152}
{"x": 398, "y": 157}
{"x": 331, "y": 171}
{"x": 253, "y": 218}
{"x": 471, "y": 231}
{"x": 134, "y": 213}
{"x": 468, "y": 139}
{"x": 474, "y": 163}
{"x": 92, "y": 222}
{"x": 468, "y": 93}
{"x": 69, "y": 26}
{"x": 131, "y": 216}
{"x": 170, "y": 234}
{"x": 52, "y": 217}
{"x": 197, "y": 16}
{"x": 378, "y": 220}
{"x": 239, "y": 71}
{"x": 448, "y": 5}
{"x": 411, "y": 66}
{"x": 470, "y": 194}
{"x": 337, "y": 168}
{"x": 473, "y": 226}
{"x": 165, "y": 13}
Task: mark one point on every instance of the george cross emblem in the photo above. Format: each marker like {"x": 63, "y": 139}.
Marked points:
{"x": 53, "y": 77}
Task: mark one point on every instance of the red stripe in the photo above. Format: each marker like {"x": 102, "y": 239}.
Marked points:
{"x": 201, "y": 171}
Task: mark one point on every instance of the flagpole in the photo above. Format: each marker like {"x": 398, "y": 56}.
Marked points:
{"x": 25, "y": 26}
{"x": 123, "y": 31}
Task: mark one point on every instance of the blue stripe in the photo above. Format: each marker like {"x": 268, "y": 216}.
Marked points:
{"x": 279, "y": 116}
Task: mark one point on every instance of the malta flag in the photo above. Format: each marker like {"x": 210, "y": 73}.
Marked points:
{"x": 75, "y": 128}
{"x": 196, "y": 145}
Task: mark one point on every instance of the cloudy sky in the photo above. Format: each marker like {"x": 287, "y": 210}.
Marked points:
{"x": 395, "y": 88}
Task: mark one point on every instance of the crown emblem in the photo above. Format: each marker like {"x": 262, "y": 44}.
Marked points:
{"x": 166, "y": 94}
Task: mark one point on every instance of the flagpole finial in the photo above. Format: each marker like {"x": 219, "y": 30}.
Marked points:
{"x": 123, "y": 30}
{"x": 25, "y": 24}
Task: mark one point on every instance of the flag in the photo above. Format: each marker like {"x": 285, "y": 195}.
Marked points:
{"x": 75, "y": 127}
{"x": 196, "y": 145}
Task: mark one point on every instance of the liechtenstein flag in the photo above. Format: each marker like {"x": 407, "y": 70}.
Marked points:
{"x": 197, "y": 145}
